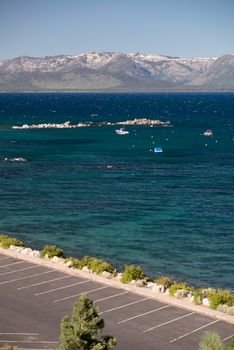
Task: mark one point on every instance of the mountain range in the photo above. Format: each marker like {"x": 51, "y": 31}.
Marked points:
{"x": 114, "y": 71}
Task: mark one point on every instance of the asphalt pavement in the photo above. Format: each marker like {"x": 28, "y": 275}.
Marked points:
{"x": 34, "y": 299}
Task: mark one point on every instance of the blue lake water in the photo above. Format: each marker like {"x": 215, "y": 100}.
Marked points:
{"x": 93, "y": 192}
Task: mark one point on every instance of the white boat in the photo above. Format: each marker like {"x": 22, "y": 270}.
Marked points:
{"x": 158, "y": 150}
{"x": 208, "y": 133}
{"x": 121, "y": 131}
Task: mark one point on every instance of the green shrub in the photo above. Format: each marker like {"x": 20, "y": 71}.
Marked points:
{"x": 180, "y": 285}
{"x": 198, "y": 296}
{"x": 52, "y": 250}
{"x": 9, "y": 347}
{"x": 230, "y": 345}
{"x": 3, "y": 237}
{"x": 98, "y": 265}
{"x": 86, "y": 260}
{"x": 77, "y": 264}
{"x": 95, "y": 265}
{"x": 132, "y": 272}
{"x": 230, "y": 311}
{"x": 164, "y": 281}
{"x": 220, "y": 297}
{"x": 211, "y": 341}
{"x": 6, "y": 241}
{"x": 104, "y": 266}
{"x": 92, "y": 264}
{"x": 222, "y": 308}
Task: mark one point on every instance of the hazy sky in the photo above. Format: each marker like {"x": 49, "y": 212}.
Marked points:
{"x": 184, "y": 28}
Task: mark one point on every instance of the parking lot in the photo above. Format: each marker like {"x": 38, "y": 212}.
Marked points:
{"x": 34, "y": 299}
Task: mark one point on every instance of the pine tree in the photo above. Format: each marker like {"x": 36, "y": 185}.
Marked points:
{"x": 79, "y": 332}
{"x": 211, "y": 341}
{"x": 230, "y": 345}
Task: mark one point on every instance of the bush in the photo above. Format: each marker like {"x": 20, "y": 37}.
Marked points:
{"x": 222, "y": 308}
{"x": 77, "y": 264}
{"x": 95, "y": 265}
{"x": 98, "y": 265}
{"x": 198, "y": 296}
{"x": 132, "y": 272}
{"x": 86, "y": 260}
{"x": 92, "y": 264}
{"x": 180, "y": 285}
{"x": 52, "y": 250}
{"x": 230, "y": 311}
{"x": 9, "y": 347}
{"x": 220, "y": 297}
{"x": 104, "y": 266}
{"x": 210, "y": 341}
{"x": 6, "y": 241}
{"x": 164, "y": 281}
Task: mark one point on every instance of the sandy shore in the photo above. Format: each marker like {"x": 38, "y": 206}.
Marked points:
{"x": 114, "y": 282}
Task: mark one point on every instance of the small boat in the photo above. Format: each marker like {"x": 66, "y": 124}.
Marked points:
{"x": 158, "y": 150}
{"x": 121, "y": 131}
{"x": 208, "y": 133}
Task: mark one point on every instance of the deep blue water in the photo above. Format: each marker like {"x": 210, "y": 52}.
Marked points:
{"x": 93, "y": 192}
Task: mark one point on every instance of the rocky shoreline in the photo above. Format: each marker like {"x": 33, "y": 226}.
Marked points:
{"x": 142, "y": 287}
{"x": 68, "y": 125}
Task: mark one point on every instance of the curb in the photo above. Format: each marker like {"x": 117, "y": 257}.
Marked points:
{"x": 183, "y": 304}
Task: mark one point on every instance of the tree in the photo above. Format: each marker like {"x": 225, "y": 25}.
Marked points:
{"x": 210, "y": 341}
{"x": 79, "y": 332}
{"x": 230, "y": 345}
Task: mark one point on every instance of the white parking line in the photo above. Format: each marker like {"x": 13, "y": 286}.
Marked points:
{"x": 145, "y": 313}
{"x": 7, "y": 257}
{"x": 29, "y": 341}
{"x": 33, "y": 349}
{"x": 230, "y": 336}
{"x": 112, "y": 296}
{"x": 163, "y": 324}
{"x": 53, "y": 290}
{"x": 195, "y": 330}
{"x": 22, "y": 278}
{"x": 76, "y": 295}
{"x": 14, "y": 263}
{"x": 122, "y": 306}
{"x": 37, "y": 284}
{"x": 19, "y": 334}
{"x": 26, "y": 268}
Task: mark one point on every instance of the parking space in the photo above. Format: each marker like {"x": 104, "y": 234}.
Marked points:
{"x": 7, "y": 266}
{"x": 5, "y": 258}
{"x": 32, "y": 273}
{"x": 55, "y": 285}
{"x": 133, "y": 307}
{"x": 193, "y": 336}
{"x": 7, "y": 263}
{"x": 26, "y": 340}
{"x": 11, "y": 270}
{"x": 39, "y": 297}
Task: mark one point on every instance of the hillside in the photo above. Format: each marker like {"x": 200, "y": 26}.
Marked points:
{"x": 113, "y": 71}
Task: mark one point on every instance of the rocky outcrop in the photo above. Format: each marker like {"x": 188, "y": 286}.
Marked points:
{"x": 68, "y": 125}
{"x": 26, "y": 251}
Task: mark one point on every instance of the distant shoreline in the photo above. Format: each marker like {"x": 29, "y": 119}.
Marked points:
{"x": 119, "y": 92}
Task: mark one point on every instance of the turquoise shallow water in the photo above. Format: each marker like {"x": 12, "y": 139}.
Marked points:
{"x": 93, "y": 192}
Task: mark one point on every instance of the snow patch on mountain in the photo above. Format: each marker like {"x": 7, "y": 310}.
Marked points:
{"x": 95, "y": 61}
